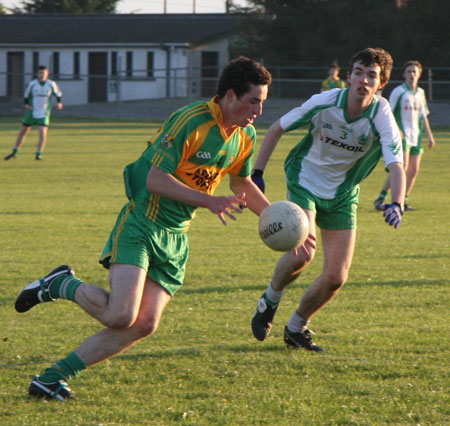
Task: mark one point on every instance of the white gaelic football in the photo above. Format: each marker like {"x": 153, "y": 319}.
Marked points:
{"x": 283, "y": 226}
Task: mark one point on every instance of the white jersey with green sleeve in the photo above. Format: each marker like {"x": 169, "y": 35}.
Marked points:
{"x": 337, "y": 153}
{"x": 39, "y": 96}
{"x": 409, "y": 108}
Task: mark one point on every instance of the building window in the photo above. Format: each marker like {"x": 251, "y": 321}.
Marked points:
{"x": 76, "y": 65}
{"x": 35, "y": 63}
{"x": 210, "y": 73}
{"x": 114, "y": 63}
{"x": 55, "y": 65}
{"x": 150, "y": 63}
{"x": 129, "y": 64}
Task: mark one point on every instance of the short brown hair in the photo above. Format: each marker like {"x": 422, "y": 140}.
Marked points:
{"x": 409, "y": 63}
{"x": 375, "y": 56}
{"x": 239, "y": 73}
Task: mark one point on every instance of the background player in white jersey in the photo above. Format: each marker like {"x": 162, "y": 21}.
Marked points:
{"x": 409, "y": 104}
{"x": 349, "y": 130}
{"x": 38, "y": 105}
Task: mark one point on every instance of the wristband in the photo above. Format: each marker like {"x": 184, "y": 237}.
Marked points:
{"x": 399, "y": 206}
{"x": 257, "y": 173}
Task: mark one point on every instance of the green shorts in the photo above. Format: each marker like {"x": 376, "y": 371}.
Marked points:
{"x": 136, "y": 240}
{"x": 29, "y": 120}
{"x": 338, "y": 213}
{"x": 413, "y": 150}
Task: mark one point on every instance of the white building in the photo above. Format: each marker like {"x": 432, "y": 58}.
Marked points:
{"x": 105, "y": 58}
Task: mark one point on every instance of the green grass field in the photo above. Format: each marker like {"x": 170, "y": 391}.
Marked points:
{"x": 386, "y": 334}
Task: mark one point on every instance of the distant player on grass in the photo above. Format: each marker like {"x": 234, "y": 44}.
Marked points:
{"x": 349, "y": 130}
{"x": 409, "y": 104}
{"x": 333, "y": 80}
{"x": 38, "y": 105}
{"x": 147, "y": 250}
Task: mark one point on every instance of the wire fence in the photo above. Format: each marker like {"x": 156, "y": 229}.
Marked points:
{"x": 288, "y": 82}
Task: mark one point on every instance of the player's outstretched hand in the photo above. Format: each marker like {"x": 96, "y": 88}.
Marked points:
{"x": 257, "y": 178}
{"x": 393, "y": 214}
{"x": 310, "y": 241}
{"x": 224, "y": 205}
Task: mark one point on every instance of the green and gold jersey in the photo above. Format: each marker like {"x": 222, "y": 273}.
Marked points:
{"x": 328, "y": 84}
{"x": 193, "y": 147}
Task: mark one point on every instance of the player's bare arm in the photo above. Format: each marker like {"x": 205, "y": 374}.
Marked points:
{"x": 268, "y": 145}
{"x": 431, "y": 142}
{"x": 255, "y": 200}
{"x": 398, "y": 182}
{"x": 162, "y": 183}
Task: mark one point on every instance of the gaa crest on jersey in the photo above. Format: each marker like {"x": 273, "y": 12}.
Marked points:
{"x": 167, "y": 142}
{"x": 394, "y": 147}
{"x": 362, "y": 140}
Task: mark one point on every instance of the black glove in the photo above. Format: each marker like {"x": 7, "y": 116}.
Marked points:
{"x": 257, "y": 178}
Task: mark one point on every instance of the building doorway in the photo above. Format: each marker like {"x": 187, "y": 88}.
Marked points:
{"x": 15, "y": 73}
{"x": 98, "y": 79}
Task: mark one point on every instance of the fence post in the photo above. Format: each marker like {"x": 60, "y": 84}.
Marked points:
{"x": 430, "y": 84}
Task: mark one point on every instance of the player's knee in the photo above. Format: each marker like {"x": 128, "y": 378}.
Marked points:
{"x": 121, "y": 320}
{"x": 302, "y": 260}
{"x": 336, "y": 280}
{"x": 413, "y": 172}
{"x": 146, "y": 327}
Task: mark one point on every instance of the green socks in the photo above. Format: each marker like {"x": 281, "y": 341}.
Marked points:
{"x": 64, "y": 287}
{"x": 64, "y": 369}
{"x": 383, "y": 195}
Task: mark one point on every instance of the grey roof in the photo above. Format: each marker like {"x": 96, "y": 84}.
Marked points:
{"x": 120, "y": 28}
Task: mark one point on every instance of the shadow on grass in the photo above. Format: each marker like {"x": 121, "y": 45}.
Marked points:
{"x": 259, "y": 287}
{"x": 190, "y": 352}
{"x": 8, "y": 303}
{"x": 195, "y": 352}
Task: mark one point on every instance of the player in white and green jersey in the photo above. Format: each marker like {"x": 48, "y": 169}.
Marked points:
{"x": 147, "y": 250}
{"x": 409, "y": 104}
{"x": 38, "y": 105}
{"x": 349, "y": 131}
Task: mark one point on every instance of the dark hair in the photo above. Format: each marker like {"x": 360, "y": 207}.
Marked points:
{"x": 239, "y": 73}
{"x": 42, "y": 67}
{"x": 415, "y": 63}
{"x": 375, "y": 56}
{"x": 334, "y": 66}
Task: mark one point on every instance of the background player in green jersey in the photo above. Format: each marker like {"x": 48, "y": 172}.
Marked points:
{"x": 147, "y": 251}
{"x": 409, "y": 104}
{"x": 349, "y": 130}
{"x": 38, "y": 105}
{"x": 333, "y": 81}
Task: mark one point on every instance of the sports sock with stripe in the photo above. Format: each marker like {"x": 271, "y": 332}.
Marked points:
{"x": 64, "y": 369}
{"x": 382, "y": 196}
{"x": 64, "y": 287}
{"x": 273, "y": 296}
